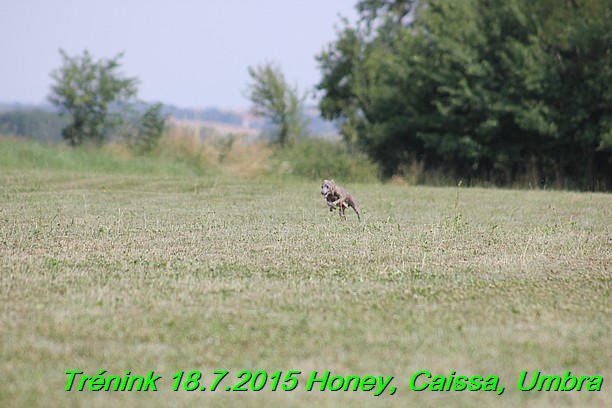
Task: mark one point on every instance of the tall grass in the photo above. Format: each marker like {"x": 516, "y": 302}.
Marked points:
{"x": 113, "y": 159}
{"x": 182, "y": 151}
{"x": 317, "y": 159}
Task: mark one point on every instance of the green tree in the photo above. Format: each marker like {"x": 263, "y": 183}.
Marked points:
{"x": 577, "y": 38}
{"x": 151, "y": 128}
{"x": 275, "y": 99}
{"x": 490, "y": 89}
{"x": 93, "y": 94}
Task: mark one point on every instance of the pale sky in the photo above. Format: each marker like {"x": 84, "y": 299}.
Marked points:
{"x": 184, "y": 52}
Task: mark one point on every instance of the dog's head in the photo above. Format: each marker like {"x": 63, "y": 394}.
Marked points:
{"x": 327, "y": 187}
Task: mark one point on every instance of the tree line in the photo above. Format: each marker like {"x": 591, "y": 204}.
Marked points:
{"x": 479, "y": 89}
{"x": 37, "y": 124}
{"x": 98, "y": 102}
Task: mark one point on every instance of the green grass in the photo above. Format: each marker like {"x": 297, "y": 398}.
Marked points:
{"x": 128, "y": 268}
{"x": 113, "y": 159}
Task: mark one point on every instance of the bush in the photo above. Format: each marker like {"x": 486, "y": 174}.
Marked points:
{"x": 318, "y": 159}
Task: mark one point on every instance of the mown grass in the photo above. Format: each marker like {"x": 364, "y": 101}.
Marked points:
{"x": 171, "y": 269}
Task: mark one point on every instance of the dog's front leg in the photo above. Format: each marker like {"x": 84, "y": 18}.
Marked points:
{"x": 341, "y": 199}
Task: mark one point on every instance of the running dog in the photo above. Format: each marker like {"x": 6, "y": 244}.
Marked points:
{"x": 337, "y": 197}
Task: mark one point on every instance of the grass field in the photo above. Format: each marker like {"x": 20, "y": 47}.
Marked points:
{"x": 140, "y": 270}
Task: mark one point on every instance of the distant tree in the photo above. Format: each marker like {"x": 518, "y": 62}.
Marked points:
{"x": 273, "y": 98}
{"x": 92, "y": 93}
{"x": 151, "y": 128}
{"x": 35, "y": 124}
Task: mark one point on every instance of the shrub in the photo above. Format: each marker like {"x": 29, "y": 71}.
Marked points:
{"x": 318, "y": 159}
